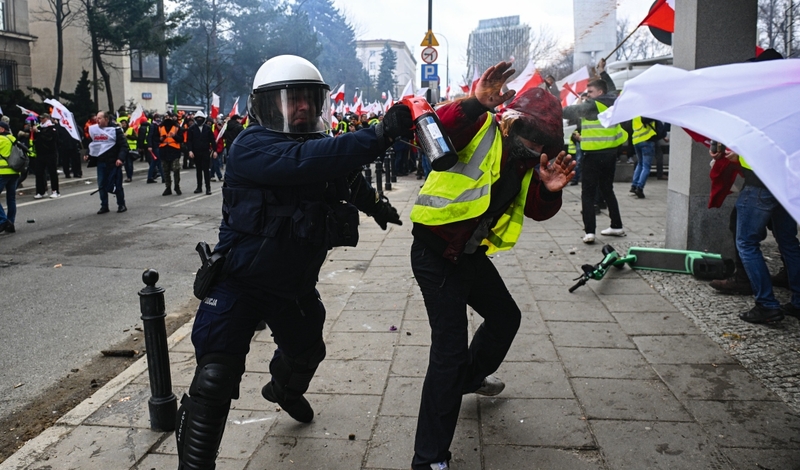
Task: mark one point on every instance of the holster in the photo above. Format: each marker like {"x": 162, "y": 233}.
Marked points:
{"x": 342, "y": 225}
{"x": 210, "y": 272}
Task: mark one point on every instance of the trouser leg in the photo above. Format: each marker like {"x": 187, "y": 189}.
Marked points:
{"x": 589, "y": 181}
{"x": 606, "y": 183}
{"x": 201, "y": 417}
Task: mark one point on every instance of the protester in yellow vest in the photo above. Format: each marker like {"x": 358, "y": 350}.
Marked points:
{"x": 475, "y": 208}
{"x": 130, "y": 137}
{"x": 8, "y": 180}
{"x": 644, "y": 143}
{"x": 600, "y": 147}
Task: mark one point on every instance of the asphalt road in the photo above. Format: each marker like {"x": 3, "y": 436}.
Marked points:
{"x": 69, "y": 280}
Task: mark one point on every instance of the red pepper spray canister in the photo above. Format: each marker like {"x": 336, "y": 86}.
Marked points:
{"x": 431, "y": 136}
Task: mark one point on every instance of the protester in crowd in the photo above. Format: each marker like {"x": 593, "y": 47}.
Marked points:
{"x": 600, "y": 146}
{"x": 219, "y": 150}
{"x": 201, "y": 144}
{"x": 25, "y": 136}
{"x": 8, "y": 180}
{"x": 285, "y": 184}
{"x": 154, "y": 150}
{"x": 169, "y": 138}
{"x": 45, "y": 139}
{"x": 109, "y": 146}
{"x": 130, "y": 139}
{"x": 644, "y": 143}
{"x": 457, "y": 223}
{"x": 69, "y": 151}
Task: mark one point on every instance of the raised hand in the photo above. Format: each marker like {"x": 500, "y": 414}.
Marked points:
{"x": 556, "y": 174}
{"x": 490, "y": 85}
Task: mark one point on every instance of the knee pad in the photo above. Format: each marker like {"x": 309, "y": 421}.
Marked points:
{"x": 217, "y": 378}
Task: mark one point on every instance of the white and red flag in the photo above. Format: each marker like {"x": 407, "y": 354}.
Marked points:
{"x": 65, "y": 118}
{"x": 137, "y": 117}
{"x": 475, "y": 77}
{"x": 234, "y": 108}
{"x": 28, "y": 111}
{"x": 661, "y": 16}
{"x": 447, "y": 93}
{"x": 339, "y": 95}
{"x": 573, "y": 85}
{"x": 358, "y": 105}
{"x": 529, "y": 78}
{"x": 408, "y": 91}
{"x": 214, "y": 105}
{"x": 388, "y": 104}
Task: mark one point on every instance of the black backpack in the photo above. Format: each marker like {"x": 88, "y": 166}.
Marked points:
{"x": 18, "y": 159}
{"x": 661, "y": 129}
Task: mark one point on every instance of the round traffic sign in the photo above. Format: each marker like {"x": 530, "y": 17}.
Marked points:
{"x": 429, "y": 55}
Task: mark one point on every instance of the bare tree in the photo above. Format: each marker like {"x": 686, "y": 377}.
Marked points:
{"x": 776, "y": 25}
{"x": 560, "y": 65}
{"x": 61, "y": 13}
{"x": 641, "y": 45}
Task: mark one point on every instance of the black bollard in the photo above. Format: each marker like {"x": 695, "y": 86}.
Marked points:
{"x": 163, "y": 404}
{"x": 391, "y": 155}
{"x": 368, "y": 174}
{"x": 379, "y": 175}
{"x": 387, "y": 169}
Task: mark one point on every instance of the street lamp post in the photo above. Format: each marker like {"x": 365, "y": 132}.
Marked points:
{"x": 447, "y": 62}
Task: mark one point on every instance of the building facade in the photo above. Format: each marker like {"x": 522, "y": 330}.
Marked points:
{"x": 498, "y": 39}
{"x": 370, "y": 52}
{"x": 15, "y": 45}
{"x": 135, "y": 78}
{"x": 595, "y": 24}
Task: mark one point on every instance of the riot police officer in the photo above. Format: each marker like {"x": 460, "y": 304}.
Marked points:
{"x": 290, "y": 194}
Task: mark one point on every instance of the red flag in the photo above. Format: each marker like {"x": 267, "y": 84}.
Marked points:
{"x": 464, "y": 88}
{"x": 214, "y": 105}
{"x": 339, "y": 95}
{"x": 661, "y": 16}
{"x": 235, "y": 108}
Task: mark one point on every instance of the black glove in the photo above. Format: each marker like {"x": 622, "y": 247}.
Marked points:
{"x": 396, "y": 123}
{"x": 385, "y": 213}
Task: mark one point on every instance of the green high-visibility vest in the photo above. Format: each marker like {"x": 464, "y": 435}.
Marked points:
{"x": 572, "y": 148}
{"x": 596, "y": 137}
{"x": 131, "y": 143}
{"x": 464, "y": 191}
{"x": 642, "y": 132}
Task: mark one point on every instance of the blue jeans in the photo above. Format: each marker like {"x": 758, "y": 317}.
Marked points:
{"x": 129, "y": 159}
{"x": 9, "y": 184}
{"x": 579, "y": 160}
{"x": 105, "y": 171}
{"x": 755, "y": 207}
{"x": 645, "y": 152}
{"x": 216, "y": 167}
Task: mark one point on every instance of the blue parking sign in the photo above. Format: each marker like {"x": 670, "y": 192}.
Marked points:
{"x": 430, "y": 72}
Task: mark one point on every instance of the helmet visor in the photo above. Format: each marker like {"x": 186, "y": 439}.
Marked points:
{"x": 297, "y": 110}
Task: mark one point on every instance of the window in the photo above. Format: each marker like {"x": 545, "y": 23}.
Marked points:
{"x": 146, "y": 67}
{"x": 2, "y": 15}
{"x": 8, "y": 75}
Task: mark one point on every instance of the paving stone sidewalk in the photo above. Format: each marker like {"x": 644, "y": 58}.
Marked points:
{"x": 641, "y": 370}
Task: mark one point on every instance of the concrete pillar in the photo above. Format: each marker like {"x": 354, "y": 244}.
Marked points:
{"x": 707, "y": 33}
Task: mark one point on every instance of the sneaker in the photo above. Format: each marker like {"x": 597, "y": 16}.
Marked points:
{"x": 632, "y": 190}
{"x": 588, "y": 238}
{"x": 440, "y": 466}
{"x": 122, "y": 209}
{"x": 759, "y": 314}
{"x": 613, "y": 232}
{"x": 178, "y": 190}
{"x": 781, "y": 279}
{"x": 640, "y": 193}
{"x": 213, "y": 180}
{"x": 208, "y": 191}
{"x": 167, "y": 192}
{"x": 54, "y": 195}
{"x": 38, "y": 196}
{"x": 490, "y": 387}
{"x": 787, "y": 309}
{"x": 103, "y": 210}
{"x": 299, "y": 409}
{"x": 128, "y": 180}
{"x": 732, "y": 285}
{"x": 10, "y": 228}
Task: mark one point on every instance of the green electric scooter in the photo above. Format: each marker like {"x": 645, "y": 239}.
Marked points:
{"x": 706, "y": 266}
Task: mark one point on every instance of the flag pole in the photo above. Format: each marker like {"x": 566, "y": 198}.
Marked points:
{"x": 621, "y": 43}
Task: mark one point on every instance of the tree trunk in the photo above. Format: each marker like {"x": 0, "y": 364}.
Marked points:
{"x": 60, "y": 47}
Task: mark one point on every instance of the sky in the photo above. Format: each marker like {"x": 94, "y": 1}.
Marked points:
{"x": 453, "y": 20}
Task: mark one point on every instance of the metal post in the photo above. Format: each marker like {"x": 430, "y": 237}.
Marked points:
{"x": 162, "y": 404}
{"x": 368, "y": 174}
{"x": 387, "y": 168}
{"x": 392, "y": 156}
{"x": 379, "y": 175}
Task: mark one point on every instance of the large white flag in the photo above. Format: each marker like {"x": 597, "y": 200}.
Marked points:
{"x": 754, "y": 112}
{"x": 408, "y": 91}
{"x": 65, "y": 117}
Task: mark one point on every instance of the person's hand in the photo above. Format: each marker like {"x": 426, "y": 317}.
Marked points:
{"x": 86, "y": 158}
{"x": 191, "y": 154}
{"x": 556, "y": 174}
{"x": 119, "y": 162}
{"x": 732, "y": 156}
{"x": 601, "y": 66}
{"x": 490, "y": 85}
{"x": 385, "y": 213}
{"x": 396, "y": 123}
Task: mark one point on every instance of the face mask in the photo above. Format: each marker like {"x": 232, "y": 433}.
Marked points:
{"x": 200, "y": 121}
{"x": 518, "y": 150}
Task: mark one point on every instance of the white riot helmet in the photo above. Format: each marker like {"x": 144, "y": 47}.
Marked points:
{"x": 290, "y": 96}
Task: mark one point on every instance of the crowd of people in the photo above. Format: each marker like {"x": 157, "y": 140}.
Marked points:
{"x": 169, "y": 142}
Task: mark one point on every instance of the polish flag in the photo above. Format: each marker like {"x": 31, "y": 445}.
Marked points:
{"x": 234, "y": 108}
{"x": 447, "y": 93}
{"x": 358, "y": 105}
{"x": 138, "y": 117}
{"x": 65, "y": 118}
{"x": 408, "y": 91}
{"x": 529, "y": 78}
{"x": 389, "y": 102}
{"x": 214, "y": 105}
{"x": 475, "y": 78}
{"x": 28, "y": 111}
{"x": 661, "y": 16}
{"x": 573, "y": 85}
{"x": 464, "y": 88}
{"x": 339, "y": 95}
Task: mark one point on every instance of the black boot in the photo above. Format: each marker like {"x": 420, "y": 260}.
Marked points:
{"x": 208, "y": 188}
{"x": 198, "y": 190}
{"x": 290, "y": 380}
{"x": 177, "y": 177}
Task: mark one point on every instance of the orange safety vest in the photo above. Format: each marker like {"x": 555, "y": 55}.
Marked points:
{"x": 167, "y": 139}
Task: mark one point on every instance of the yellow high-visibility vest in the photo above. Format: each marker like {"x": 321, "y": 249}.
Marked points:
{"x": 596, "y": 137}
{"x": 642, "y": 132}
{"x": 463, "y": 192}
